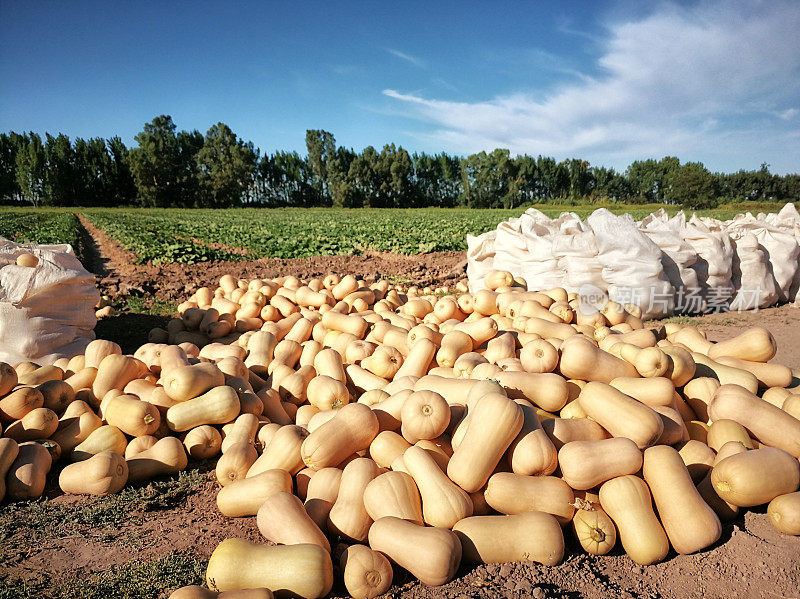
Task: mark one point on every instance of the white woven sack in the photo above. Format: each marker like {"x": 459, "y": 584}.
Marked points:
{"x": 677, "y": 256}
{"x": 788, "y": 221}
{"x": 47, "y": 311}
{"x": 751, "y": 274}
{"x": 510, "y": 249}
{"x": 480, "y": 258}
{"x": 631, "y": 263}
{"x": 780, "y": 246}
{"x": 540, "y": 267}
{"x": 715, "y": 254}
{"x": 576, "y": 253}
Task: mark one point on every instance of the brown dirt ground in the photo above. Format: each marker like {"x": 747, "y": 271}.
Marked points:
{"x": 752, "y": 559}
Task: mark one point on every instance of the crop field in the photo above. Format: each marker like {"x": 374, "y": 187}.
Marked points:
{"x": 188, "y": 236}
{"x": 40, "y": 226}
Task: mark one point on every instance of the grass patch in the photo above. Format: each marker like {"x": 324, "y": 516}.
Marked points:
{"x": 680, "y": 319}
{"x": 28, "y": 523}
{"x": 135, "y": 580}
{"x": 150, "y": 305}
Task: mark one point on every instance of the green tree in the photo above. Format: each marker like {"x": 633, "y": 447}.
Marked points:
{"x": 156, "y": 164}
{"x": 31, "y": 172}
{"x": 691, "y": 185}
{"x": 121, "y": 185}
{"x": 61, "y": 180}
{"x": 10, "y": 145}
{"x": 226, "y": 166}
{"x": 321, "y": 146}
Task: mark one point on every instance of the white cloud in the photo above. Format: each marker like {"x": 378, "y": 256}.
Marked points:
{"x": 407, "y": 57}
{"x": 710, "y": 83}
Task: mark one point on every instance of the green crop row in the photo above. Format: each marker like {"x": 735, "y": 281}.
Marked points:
{"x": 41, "y": 227}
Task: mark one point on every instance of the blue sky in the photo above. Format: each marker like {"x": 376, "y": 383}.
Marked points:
{"x": 611, "y": 82}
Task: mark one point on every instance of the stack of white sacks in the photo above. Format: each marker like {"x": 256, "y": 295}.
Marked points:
{"x": 664, "y": 265}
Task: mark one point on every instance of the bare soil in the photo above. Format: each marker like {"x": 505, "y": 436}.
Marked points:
{"x": 751, "y": 560}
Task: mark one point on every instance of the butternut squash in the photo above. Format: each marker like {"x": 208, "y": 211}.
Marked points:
{"x": 655, "y": 391}
{"x": 767, "y": 423}
{"x": 28, "y": 472}
{"x": 626, "y": 500}
{"x": 203, "y": 442}
{"x": 9, "y": 449}
{"x": 57, "y": 395}
{"x": 216, "y": 406}
{"x": 283, "y": 451}
{"x": 296, "y": 570}
{"x": 424, "y": 415}
{"x": 393, "y": 494}
{"x": 132, "y": 416}
{"x": 532, "y": 453}
{"x": 690, "y": 524}
{"x": 698, "y": 458}
{"x": 494, "y": 424}
{"x": 430, "y": 554}
{"x": 386, "y": 447}
{"x": 283, "y": 519}
{"x": 104, "y": 473}
{"x": 582, "y": 360}
{"x": 367, "y": 573}
{"x": 621, "y": 415}
{"x": 73, "y": 430}
{"x": 587, "y": 464}
{"x": 138, "y": 445}
{"x": 39, "y": 423}
{"x": 511, "y": 494}
{"x": 594, "y": 530}
{"x": 549, "y": 391}
{"x": 8, "y": 378}
{"x": 326, "y": 393}
{"x": 19, "y": 402}
{"x": 348, "y": 516}
{"x": 41, "y": 375}
{"x": 564, "y": 430}
{"x": 698, "y": 393}
{"x": 531, "y": 536}
{"x": 106, "y": 438}
{"x": 755, "y": 477}
{"x": 241, "y": 430}
{"x": 351, "y": 430}
{"x": 165, "y": 457}
{"x": 755, "y": 344}
{"x": 443, "y": 502}
{"x": 243, "y": 497}
{"x": 235, "y": 463}
{"x": 784, "y": 513}
{"x": 681, "y": 367}
{"x": 722, "y": 431}
{"x": 188, "y": 382}
{"x": 417, "y": 362}
{"x": 726, "y": 375}
{"x": 539, "y": 356}
{"x": 321, "y": 494}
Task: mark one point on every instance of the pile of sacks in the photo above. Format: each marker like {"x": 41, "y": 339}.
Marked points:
{"x": 664, "y": 265}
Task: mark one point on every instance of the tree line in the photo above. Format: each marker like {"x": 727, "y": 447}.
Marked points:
{"x": 171, "y": 168}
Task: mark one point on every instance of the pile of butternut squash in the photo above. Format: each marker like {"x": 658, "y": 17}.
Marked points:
{"x": 368, "y": 427}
